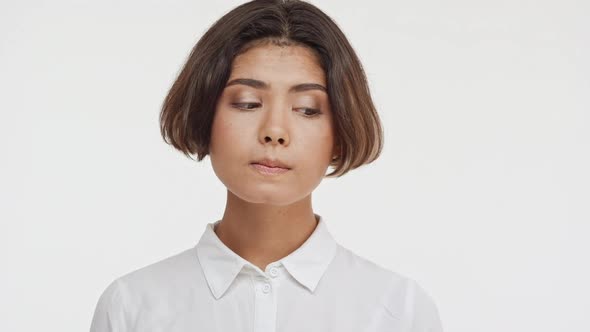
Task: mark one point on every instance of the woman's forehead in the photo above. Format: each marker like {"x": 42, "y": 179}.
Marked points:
{"x": 278, "y": 63}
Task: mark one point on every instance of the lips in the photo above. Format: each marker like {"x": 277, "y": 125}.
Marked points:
{"x": 265, "y": 170}
{"x": 272, "y": 163}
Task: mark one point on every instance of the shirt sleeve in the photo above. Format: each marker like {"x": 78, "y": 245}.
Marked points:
{"x": 109, "y": 311}
{"x": 422, "y": 312}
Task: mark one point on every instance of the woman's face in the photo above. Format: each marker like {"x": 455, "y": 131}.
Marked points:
{"x": 269, "y": 109}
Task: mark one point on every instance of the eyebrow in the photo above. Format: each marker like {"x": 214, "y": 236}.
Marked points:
{"x": 265, "y": 86}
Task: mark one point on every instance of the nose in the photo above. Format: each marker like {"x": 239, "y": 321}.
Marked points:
{"x": 274, "y": 128}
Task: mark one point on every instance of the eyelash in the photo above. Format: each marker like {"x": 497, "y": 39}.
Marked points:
{"x": 240, "y": 106}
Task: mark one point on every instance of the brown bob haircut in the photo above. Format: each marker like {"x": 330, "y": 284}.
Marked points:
{"x": 188, "y": 109}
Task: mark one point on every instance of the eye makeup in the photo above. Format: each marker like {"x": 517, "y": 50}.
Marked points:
{"x": 307, "y": 111}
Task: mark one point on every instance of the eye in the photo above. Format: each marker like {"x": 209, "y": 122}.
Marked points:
{"x": 310, "y": 112}
{"x": 245, "y": 106}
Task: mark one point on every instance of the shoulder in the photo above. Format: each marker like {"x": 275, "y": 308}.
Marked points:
{"x": 400, "y": 295}
{"x": 361, "y": 269}
{"x": 147, "y": 287}
{"x": 168, "y": 267}
{"x": 163, "y": 278}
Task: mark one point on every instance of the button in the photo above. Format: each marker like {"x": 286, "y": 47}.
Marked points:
{"x": 274, "y": 272}
{"x": 266, "y": 288}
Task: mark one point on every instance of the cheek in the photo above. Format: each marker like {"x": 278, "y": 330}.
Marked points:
{"x": 323, "y": 140}
{"x": 225, "y": 134}
{"x": 226, "y": 149}
{"x": 318, "y": 148}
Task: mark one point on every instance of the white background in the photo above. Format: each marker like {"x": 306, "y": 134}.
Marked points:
{"x": 481, "y": 193}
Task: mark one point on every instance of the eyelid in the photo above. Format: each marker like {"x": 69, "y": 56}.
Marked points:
{"x": 316, "y": 111}
{"x": 238, "y": 105}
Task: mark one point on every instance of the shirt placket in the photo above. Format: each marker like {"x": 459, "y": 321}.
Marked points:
{"x": 265, "y": 289}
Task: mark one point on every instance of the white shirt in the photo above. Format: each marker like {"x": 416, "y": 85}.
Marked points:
{"x": 321, "y": 286}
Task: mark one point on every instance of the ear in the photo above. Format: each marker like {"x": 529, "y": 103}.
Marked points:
{"x": 336, "y": 151}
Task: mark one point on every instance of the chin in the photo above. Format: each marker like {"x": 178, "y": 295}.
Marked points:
{"x": 269, "y": 197}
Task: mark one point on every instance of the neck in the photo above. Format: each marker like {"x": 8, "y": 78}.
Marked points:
{"x": 263, "y": 233}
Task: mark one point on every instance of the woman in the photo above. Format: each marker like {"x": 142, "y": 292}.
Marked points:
{"x": 274, "y": 94}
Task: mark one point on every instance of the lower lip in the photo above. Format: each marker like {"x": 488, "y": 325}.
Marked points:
{"x": 269, "y": 170}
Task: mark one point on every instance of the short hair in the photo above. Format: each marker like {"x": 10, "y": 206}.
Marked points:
{"x": 187, "y": 112}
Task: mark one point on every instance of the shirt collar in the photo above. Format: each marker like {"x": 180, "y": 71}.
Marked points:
{"x": 307, "y": 264}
